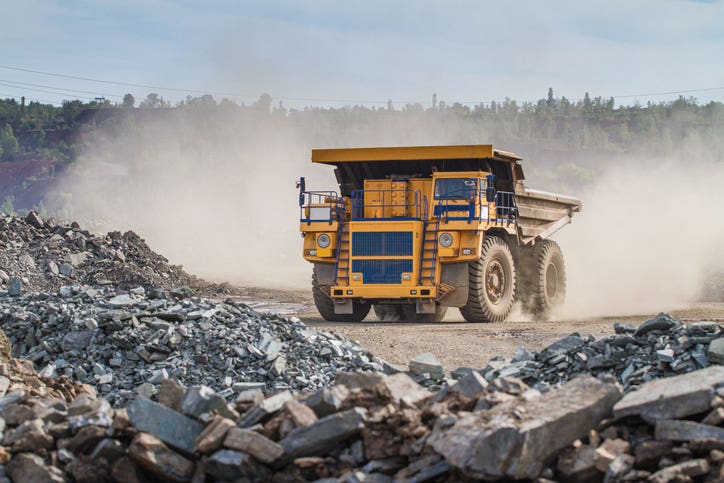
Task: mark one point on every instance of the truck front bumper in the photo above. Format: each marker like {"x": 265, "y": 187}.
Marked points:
{"x": 377, "y": 292}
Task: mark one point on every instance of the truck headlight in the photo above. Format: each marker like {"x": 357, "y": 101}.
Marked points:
{"x": 446, "y": 239}
{"x": 323, "y": 240}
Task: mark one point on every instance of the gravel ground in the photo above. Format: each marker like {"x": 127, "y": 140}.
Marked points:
{"x": 460, "y": 344}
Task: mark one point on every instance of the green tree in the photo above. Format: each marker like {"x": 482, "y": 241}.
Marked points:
{"x": 8, "y": 143}
{"x": 154, "y": 101}
{"x": 128, "y": 101}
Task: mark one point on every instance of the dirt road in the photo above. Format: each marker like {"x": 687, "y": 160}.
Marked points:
{"x": 459, "y": 344}
{"x": 454, "y": 342}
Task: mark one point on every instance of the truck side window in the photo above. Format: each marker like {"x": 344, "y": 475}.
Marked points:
{"x": 455, "y": 188}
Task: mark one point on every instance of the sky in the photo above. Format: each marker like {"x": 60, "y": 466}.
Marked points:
{"x": 332, "y": 53}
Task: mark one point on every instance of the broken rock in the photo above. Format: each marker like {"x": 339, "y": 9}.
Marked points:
{"x": 673, "y": 397}
{"x": 150, "y": 452}
{"x": 169, "y": 426}
{"x": 500, "y": 445}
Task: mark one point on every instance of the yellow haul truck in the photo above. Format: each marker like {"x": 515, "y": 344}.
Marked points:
{"x": 415, "y": 230}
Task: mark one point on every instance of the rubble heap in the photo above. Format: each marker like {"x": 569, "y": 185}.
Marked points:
{"x": 128, "y": 342}
{"x": 43, "y": 255}
{"x": 660, "y": 347}
{"x": 371, "y": 427}
{"x": 19, "y": 374}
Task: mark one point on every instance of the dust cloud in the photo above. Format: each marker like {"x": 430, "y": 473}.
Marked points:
{"x": 649, "y": 233}
{"x": 216, "y": 194}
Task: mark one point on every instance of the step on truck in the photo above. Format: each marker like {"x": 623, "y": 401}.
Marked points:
{"x": 415, "y": 230}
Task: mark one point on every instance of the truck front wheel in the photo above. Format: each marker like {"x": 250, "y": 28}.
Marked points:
{"x": 325, "y": 304}
{"x": 492, "y": 283}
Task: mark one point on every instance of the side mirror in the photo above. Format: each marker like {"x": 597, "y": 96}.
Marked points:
{"x": 301, "y": 184}
{"x": 490, "y": 192}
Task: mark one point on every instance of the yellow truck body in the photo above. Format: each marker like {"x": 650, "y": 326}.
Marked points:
{"x": 408, "y": 231}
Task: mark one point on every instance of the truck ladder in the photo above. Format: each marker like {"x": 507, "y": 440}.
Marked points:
{"x": 342, "y": 264}
{"x": 428, "y": 251}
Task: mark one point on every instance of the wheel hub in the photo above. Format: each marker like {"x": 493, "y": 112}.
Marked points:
{"x": 551, "y": 281}
{"x": 495, "y": 281}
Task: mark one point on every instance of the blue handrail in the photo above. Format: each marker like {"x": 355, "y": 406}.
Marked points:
{"x": 326, "y": 206}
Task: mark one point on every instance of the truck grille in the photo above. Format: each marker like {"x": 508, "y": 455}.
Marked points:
{"x": 382, "y": 271}
{"x": 382, "y": 244}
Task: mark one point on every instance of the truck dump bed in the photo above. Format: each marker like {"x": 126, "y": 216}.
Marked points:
{"x": 541, "y": 214}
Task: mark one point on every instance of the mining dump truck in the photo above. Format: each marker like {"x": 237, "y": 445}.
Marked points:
{"x": 415, "y": 230}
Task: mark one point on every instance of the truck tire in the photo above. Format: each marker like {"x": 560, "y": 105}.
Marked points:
{"x": 411, "y": 315}
{"x": 389, "y": 312}
{"x": 550, "y": 280}
{"x": 492, "y": 283}
{"x": 526, "y": 266}
{"x": 325, "y": 304}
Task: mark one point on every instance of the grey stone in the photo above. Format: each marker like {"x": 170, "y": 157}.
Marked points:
{"x": 665, "y": 355}
{"x": 497, "y": 444}
{"x": 471, "y": 385}
{"x": 76, "y": 340}
{"x": 675, "y": 430}
{"x": 660, "y": 322}
{"x": 278, "y": 366}
{"x": 323, "y": 436}
{"x": 109, "y": 449}
{"x": 167, "y": 425}
{"x": 34, "y": 219}
{"x": 123, "y": 300}
{"x": 716, "y": 351}
{"x": 358, "y": 380}
{"x": 327, "y": 401}
{"x": 264, "y": 409}
{"x": 228, "y": 465}
{"x": 253, "y": 443}
{"x": 673, "y": 397}
{"x": 66, "y": 270}
{"x": 403, "y": 389}
{"x": 75, "y": 259}
{"x": 426, "y": 363}
{"x": 150, "y": 453}
{"x": 15, "y": 287}
{"x": 567, "y": 344}
{"x": 202, "y": 399}
{"x": 30, "y": 468}
{"x": 681, "y": 472}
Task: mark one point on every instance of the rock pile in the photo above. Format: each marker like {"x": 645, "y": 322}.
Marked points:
{"x": 371, "y": 427}
{"x": 43, "y": 255}
{"x": 660, "y": 347}
{"x": 125, "y": 343}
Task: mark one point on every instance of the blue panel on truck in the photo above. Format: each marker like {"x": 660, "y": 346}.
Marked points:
{"x": 382, "y": 271}
{"x": 382, "y": 244}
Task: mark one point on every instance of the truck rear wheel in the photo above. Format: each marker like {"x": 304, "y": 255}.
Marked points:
{"x": 325, "y": 304}
{"x": 411, "y": 315}
{"x": 389, "y": 312}
{"x": 492, "y": 283}
{"x": 550, "y": 279}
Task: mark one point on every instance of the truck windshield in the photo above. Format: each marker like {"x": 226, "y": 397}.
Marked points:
{"x": 455, "y": 188}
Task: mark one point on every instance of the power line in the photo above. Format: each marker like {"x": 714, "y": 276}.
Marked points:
{"x": 128, "y": 84}
{"x": 231, "y": 94}
{"x": 23, "y": 84}
{"x": 46, "y": 92}
{"x": 297, "y": 99}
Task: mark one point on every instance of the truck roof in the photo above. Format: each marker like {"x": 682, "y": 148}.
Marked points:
{"x": 411, "y": 153}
